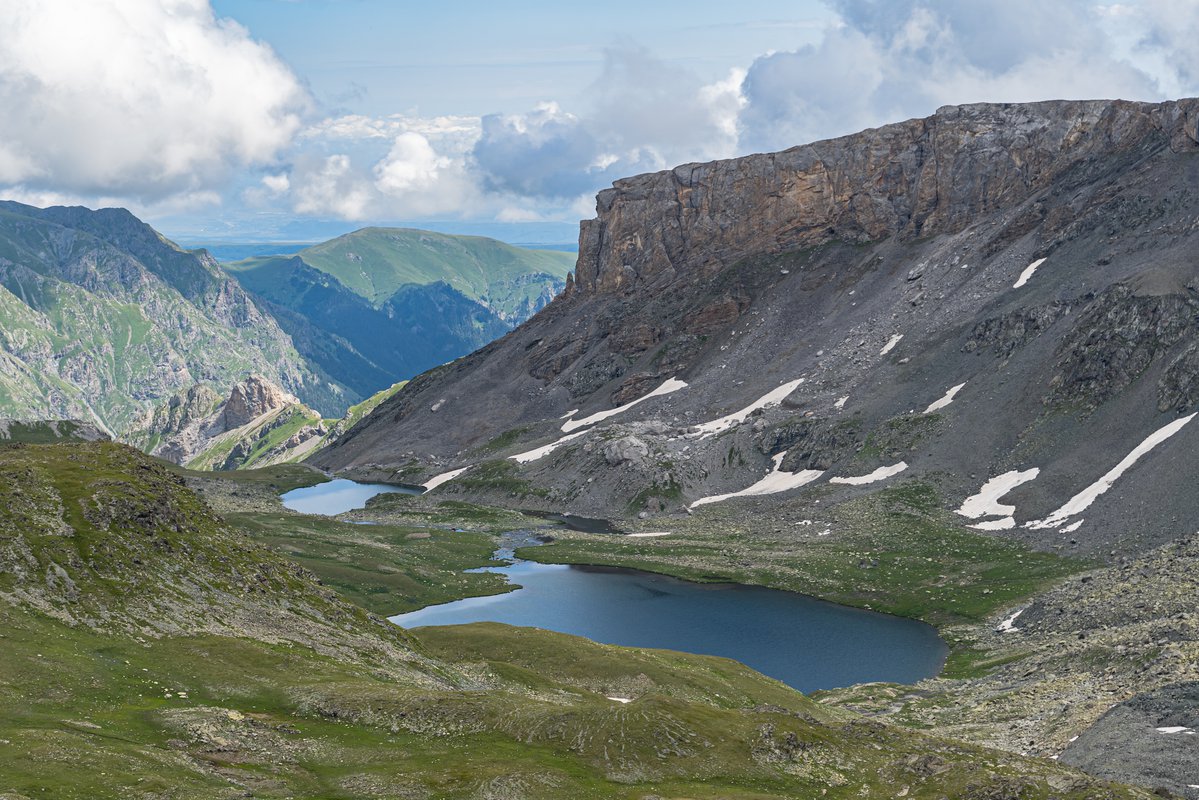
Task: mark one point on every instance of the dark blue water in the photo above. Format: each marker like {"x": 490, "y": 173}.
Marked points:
{"x": 337, "y": 496}
{"x": 806, "y": 643}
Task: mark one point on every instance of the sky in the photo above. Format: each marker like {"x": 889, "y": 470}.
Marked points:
{"x": 296, "y": 120}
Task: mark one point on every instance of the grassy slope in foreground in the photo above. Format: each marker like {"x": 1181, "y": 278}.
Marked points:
{"x": 267, "y": 684}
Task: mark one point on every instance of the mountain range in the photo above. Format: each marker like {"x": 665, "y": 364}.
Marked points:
{"x": 105, "y": 320}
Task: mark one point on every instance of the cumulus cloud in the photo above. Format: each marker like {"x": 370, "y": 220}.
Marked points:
{"x": 359, "y": 168}
{"x": 329, "y": 186}
{"x": 136, "y": 98}
{"x": 642, "y": 114}
{"x": 888, "y": 60}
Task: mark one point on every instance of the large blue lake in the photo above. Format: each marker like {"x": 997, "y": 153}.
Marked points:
{"x": 806, "y": 643}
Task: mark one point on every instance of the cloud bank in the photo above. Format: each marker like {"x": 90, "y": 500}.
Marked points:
{"x": 137, "y": 98}
{"x": 160, "y": 102}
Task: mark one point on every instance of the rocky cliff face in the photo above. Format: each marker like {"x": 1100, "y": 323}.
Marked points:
{"x": 252, "y": 398}
{"x": 995, "y": 289}
{"x": 918, "y": 178}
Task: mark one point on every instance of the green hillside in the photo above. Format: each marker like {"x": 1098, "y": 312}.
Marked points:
{"x": 375, "y": 262}
{"x": 382, "y": 305}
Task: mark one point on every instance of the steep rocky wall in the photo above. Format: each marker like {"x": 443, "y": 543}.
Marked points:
{"x": 912, "y": 179}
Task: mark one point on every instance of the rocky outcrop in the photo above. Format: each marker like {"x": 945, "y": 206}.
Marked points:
{"x": 1116, "y": 338}
{"x": 253, "y": 398}
{"x": 199, "y": 428}
{"x": 916, "y": 178}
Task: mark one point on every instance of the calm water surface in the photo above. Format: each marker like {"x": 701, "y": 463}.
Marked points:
{"x": 337, "y": 496}
{"x": 808, "y": 644}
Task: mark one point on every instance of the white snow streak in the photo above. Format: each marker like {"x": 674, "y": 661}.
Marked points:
{"x": 671, "y": 385}
{"x": 1175, "y": 729}
{"x": 1027, "y": 273}
{"x": 776, "y": 481}
{"x": 841, "y": 402}
{"x": 771, "y": 398}
{"x": 880, "y": 474}
{"x": 1072, "y": 527}
{"x": 1081, "y": 501}
{"x": 1003, "y": 524}
{"x": 946, "y": 400}
{"x": 444, "y": 477}
{"x": 545, "y": 450}
{"x": 647, "y": 535}
{"x": 1009, "y": 624}
{"x": 890, "y": 345}
{"x": 986, "y": 502}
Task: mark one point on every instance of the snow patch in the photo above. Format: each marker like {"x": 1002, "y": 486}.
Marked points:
{"x": 623, "y": 700}
{"x": 841, "y": 402}
{"x": 444, "y": 477}
{"x": 670, "y": 385}
{"x": 771, "y": 398}
{"x": 986, "y": 502}
{"x": 1004, "y": 524}
{"x": 1082, "y": 501}
{"x": 545, "y": 450}
{"x": 1072, "y": 527}
{"x": 946, "y": 400}
{"x": 776, "y": 481}
{"x": 1009, "y": 624}
{"x": 1175, "y": 729}
{"x": 880, "y": 474}
{"x": 890, "y": 345}
{"x": 1027, "y": 273}
{"x": 647, "y": 535}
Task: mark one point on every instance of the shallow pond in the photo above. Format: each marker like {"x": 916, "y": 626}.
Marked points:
{"x": 337, "y": 496}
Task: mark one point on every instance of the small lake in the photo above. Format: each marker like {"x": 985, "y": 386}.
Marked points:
{"x": 806, "y": 643}
{"x": 337, "y": 496}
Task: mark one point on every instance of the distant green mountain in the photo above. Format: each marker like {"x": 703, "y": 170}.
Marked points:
{"x": 375, "y": 263}
{"x": 101, "y": 318}
{"x": 384, "y": 304}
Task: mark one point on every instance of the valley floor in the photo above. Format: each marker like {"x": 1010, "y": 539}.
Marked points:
{"x": 162, "y": 649}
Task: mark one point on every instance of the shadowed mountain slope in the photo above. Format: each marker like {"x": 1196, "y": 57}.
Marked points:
{"x": 1002, "y": 292}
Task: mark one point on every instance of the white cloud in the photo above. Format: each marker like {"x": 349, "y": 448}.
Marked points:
{"x": 276, "y": 184}
{"x": 892, "y": 60}
{"x": 160, "y": 105}
{"x": 329, "y": 186}
{"x": 643, "y": 114}
{"x": 136, "y": 98}
{"x": 411, "y": 164}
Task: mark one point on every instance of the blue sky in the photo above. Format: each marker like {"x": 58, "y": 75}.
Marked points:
{"x": 298, "y": 119}
{"x": 475, "y": 57}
